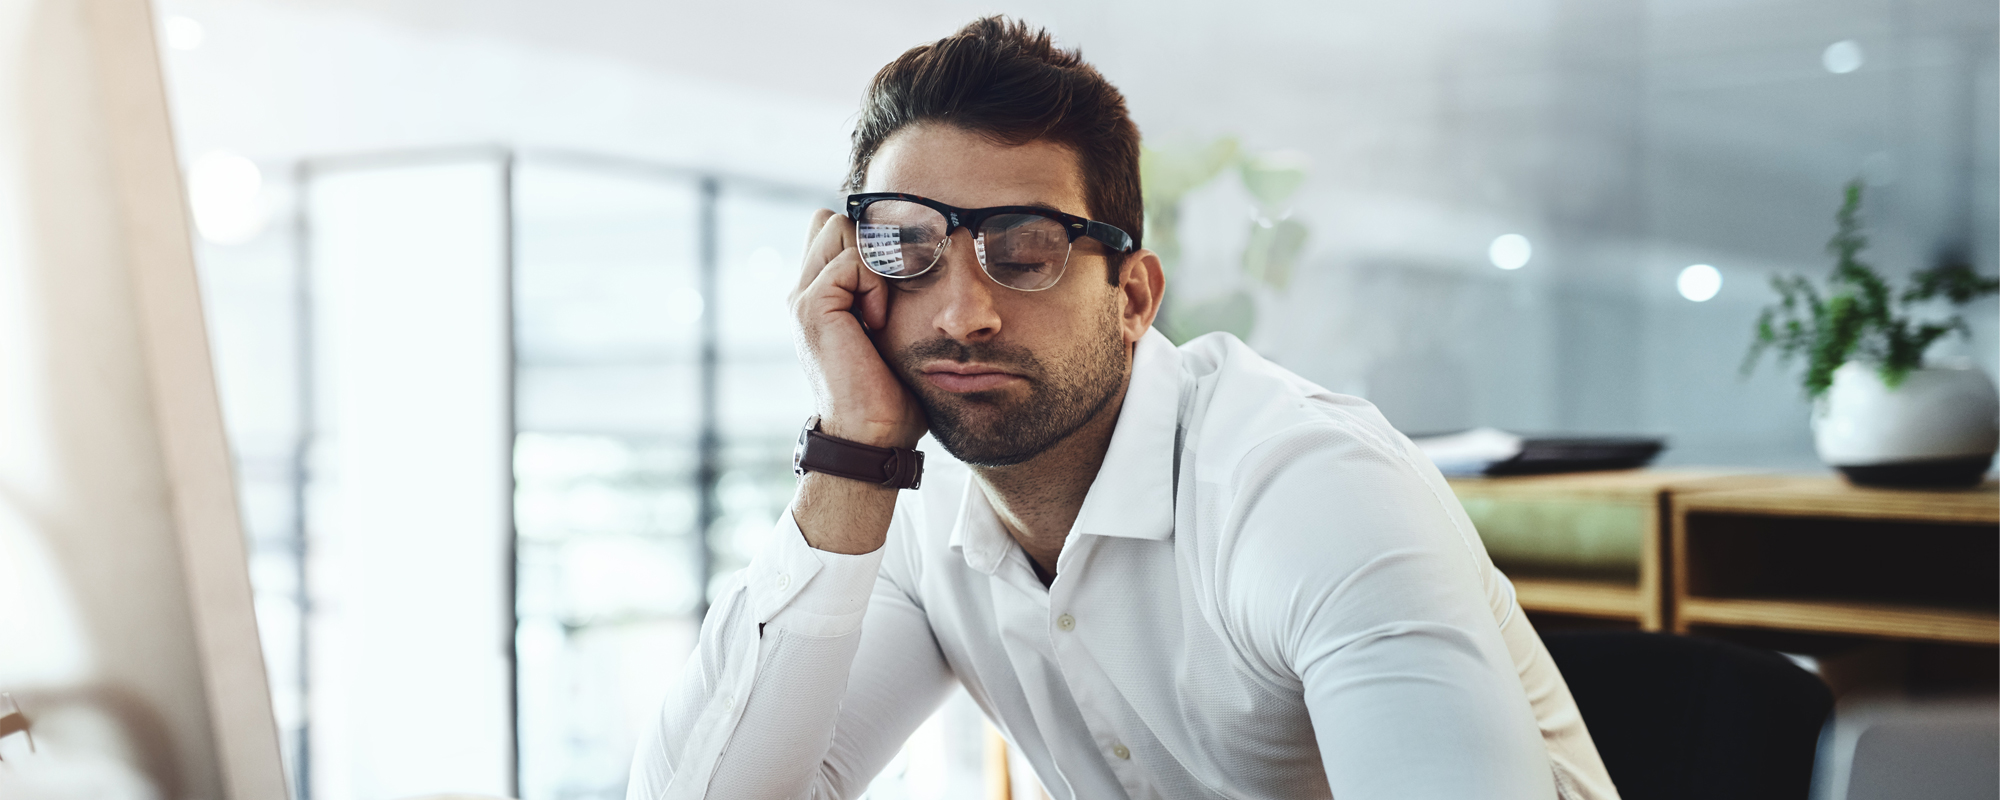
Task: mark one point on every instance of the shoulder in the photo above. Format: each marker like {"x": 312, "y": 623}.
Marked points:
{"x": 1248, "y": 414}
{"x": 1308, "y": 498}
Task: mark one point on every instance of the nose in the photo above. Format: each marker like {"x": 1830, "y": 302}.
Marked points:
{"x": 968, "y": 312}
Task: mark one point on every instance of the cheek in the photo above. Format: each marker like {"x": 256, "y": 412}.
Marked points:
{"x": 909, "y": 322}
{"x": 1065, "y": 325}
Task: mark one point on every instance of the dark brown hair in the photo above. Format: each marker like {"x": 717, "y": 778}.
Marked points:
{"x": 1010, "y": 83}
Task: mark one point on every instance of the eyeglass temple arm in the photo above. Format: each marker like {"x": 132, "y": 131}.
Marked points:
{"x": 1110, "y": 235}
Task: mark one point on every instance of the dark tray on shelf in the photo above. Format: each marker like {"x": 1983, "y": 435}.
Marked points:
{"x": 1546, "y": 454}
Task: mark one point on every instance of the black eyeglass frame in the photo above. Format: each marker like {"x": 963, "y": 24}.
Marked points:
{"x": 972, "y": 218}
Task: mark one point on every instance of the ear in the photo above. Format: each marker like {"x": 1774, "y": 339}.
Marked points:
{"x": 1142, "y": 282}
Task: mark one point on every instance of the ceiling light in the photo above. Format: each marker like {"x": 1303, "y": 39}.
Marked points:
{"x": 1510, "y": 251}
{"x": 1699, "y": 282}
{"x": 1842, "y": 57}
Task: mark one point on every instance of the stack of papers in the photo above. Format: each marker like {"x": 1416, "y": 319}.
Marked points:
{"x": 1470, "y": 452}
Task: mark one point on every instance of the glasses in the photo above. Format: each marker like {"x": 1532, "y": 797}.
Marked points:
{"x": 1020, "y": 247}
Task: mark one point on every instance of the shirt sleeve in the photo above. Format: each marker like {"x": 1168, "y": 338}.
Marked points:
{"x": 1351, "y": 580}
{"x": 788, "y": 694}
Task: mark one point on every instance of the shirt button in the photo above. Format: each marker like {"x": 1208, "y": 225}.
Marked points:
{"x": 1120, "y": 751}
{"x": 784, "y": 581}
{"x": 1066, "y": 622}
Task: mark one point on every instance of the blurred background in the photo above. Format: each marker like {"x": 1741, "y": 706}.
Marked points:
{"x": 497, "y": 288}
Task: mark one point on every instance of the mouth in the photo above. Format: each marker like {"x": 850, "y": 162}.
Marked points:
{"x": 961, "y": 378}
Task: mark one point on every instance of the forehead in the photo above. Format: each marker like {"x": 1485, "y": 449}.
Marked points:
{"x": 961, "y": 168}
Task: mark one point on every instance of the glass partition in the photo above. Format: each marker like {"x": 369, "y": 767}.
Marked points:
{"x": 626, "y": 326}
{"x": 408, "y": 496}
{"x": 608, "y": 364}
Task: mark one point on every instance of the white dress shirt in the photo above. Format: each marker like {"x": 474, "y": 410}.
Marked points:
{"x": 1268, "y": 592}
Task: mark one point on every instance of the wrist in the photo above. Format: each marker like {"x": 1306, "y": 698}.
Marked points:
{"x": 875, "y": 434}
{"x": 822, "y": 451}
{"x": 843, "y": 516}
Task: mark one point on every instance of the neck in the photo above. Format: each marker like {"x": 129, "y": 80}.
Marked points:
{"x": 1038, "y": 500}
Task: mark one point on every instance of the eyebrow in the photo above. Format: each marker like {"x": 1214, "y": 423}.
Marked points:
{"x": 1043, "y": 206}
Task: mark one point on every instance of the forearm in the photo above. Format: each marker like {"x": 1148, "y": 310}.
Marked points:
{"x": 755, "y": 707}
{"x": 844, "y": 516}
{"x": 780, "y": 746}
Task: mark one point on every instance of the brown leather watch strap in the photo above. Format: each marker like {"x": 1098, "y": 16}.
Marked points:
{"x": 900, "y": 467}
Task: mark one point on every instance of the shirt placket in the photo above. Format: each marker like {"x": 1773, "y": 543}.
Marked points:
{"x": 1071, "y": 624}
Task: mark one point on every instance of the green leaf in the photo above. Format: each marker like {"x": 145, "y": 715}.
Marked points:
{"x": 1167, "y": 173}
{"x": 1955, "y": 281}
{"x": 1273, "y": 178}
{"x": 1235, "y": 313}
{"x": 1273, "y": 251}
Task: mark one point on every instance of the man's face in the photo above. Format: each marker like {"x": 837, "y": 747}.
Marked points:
{"x": 1004, "y": 374}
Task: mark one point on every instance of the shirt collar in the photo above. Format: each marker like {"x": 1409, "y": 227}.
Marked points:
{"x": 978, "y": 533}
{"x": 1133, "y": 493}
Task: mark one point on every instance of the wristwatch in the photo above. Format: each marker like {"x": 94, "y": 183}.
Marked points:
{"x": 900, "y": 467}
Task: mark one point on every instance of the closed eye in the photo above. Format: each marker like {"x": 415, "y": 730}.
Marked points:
{"x": 919, "y": 282}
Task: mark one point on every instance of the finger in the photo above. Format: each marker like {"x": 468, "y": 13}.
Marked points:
{"x": 819, "y": 218}
{"x": 872, "y": 291}
{"x": 846, "y": 286}
{"x": 809, "y": 265}
{"x": 834, "y": 236}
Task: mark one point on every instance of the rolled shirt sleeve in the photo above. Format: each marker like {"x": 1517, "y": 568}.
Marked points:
{"x": 755, "y": 710}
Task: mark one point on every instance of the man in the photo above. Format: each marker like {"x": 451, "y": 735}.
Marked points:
{"x": 1170, "y": 572}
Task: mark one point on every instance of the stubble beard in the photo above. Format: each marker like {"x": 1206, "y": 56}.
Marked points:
{"x": 990, "y": 429}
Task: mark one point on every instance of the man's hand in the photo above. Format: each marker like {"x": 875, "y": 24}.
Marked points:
{"x": 837, "y": 303}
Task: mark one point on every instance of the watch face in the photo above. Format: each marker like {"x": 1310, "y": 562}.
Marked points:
{"x": 799, "y": 450}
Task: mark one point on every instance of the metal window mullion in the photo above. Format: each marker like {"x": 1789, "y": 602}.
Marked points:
{"x": 708, "y": 471}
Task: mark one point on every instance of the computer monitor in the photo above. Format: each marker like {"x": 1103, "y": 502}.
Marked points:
{"x": 128, "y": 645}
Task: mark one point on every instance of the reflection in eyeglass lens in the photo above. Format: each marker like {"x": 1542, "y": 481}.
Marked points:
{"x": 900, "y": 239}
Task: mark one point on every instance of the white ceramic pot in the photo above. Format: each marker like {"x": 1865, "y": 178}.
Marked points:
{"x": 1940, "y": 428}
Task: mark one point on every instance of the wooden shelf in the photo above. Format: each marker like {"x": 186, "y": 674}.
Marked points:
{"x": 1581, "y": 598}
{"x": 1828, "y": 497}
{"x": 1627, "y": 485}
{"x": 1818, "y": 555}
{"x": 1857, "y": 619}
{"x": 1640, "y": 493}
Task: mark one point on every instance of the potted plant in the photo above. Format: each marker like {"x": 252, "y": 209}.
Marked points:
{"x": 1274, "y": 246}
{"x": 1881, "y": 414}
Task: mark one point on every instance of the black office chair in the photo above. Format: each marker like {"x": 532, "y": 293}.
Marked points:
{"x": 1679, "y": 718}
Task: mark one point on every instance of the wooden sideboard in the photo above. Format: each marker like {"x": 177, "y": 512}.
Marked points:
{"x": 1819, "y": 556}
{"x": 1588, "y": 545}
{"x": 1714, "y": 551}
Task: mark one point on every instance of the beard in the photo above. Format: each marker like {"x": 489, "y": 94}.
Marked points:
{"x": 995, "y": 429}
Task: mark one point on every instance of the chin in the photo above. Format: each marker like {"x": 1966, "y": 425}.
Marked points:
{"x": 975, "y": 427}
{"x": 982, "y": 451}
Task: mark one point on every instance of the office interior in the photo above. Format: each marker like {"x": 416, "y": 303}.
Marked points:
{"x": 494, "y": 295}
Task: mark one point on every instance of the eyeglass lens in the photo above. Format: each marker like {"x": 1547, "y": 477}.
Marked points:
{"x": 901, "y": 239}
